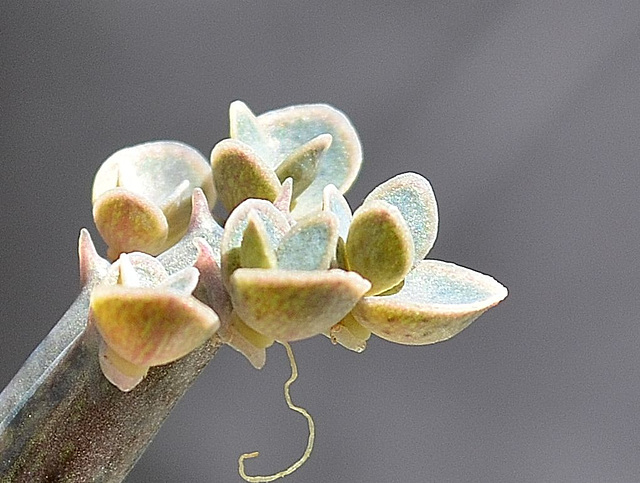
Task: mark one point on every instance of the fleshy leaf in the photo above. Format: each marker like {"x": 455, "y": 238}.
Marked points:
{"x": 210, "y": 289}
{"x": 302, "y": 164}
{"x": 293, "y": 126}
{"x": 120, "y": 372}
{"x": 201, "y": 225}
{"x": 244, "y": 127}
{"x": 154, "y": 170}
{"x": 164, "y": 173}
{"x": 93, "y": 267}
{"x": 129, "y": 222}
{"x": 239, "y": 174}
{"x": 292, "y": 305}
{"x": 150, "y": 326}
{"x": 336, "y": 203}
{"x": 136, "y": 269}
{"x": 310, "y": 244}
{"x": 247, "y": 341}
{"x": 275, "y": 223}
{"x": 413, "y": 196}
{"x": 283, "y": 201}
{"x": 379, "y": 245}
{"x": 255, "y": 249}
{"x": 350, "y": 334}
{"x": 438, "y": 300}
{"x": 184, "y": 281}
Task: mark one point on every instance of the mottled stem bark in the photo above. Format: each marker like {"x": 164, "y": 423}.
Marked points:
{"x": 62, "y": 421}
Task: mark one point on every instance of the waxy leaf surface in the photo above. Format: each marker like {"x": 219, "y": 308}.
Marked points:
{"x": 292, "y": 305}
{"x": 436, "y": 301}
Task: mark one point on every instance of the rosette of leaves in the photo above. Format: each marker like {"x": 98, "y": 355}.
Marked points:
{"x": 147, "y": 317}
{"x": 313, "y": 144}
{"x": 279, "y": 277}
{"x": 142, "y": 195}
{"x": 410, "y": 301}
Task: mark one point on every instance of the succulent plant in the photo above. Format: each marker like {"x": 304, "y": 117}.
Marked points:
{"x": 291, "y": 260}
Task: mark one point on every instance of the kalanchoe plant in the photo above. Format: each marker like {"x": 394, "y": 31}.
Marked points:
{"x": 291, "y": 261}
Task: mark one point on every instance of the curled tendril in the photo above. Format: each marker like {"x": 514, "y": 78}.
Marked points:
{"x": 293, "y": 407}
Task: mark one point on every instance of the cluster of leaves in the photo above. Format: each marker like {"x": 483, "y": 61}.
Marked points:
{"x": 291, "y": 261}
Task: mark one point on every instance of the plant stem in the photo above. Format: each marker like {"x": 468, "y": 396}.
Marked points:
{"x": 62, "y": 421}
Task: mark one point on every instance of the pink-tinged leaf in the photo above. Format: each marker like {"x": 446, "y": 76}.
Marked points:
{"x": 239, "y": 174}
{"x": 291, "y": 305}
{"x": 93, "y": 267}
{"x": 150, "y": 326}
{"x": 128, "y": 222}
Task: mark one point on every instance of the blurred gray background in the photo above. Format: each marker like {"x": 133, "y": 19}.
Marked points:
{"x": 523, "y": 114}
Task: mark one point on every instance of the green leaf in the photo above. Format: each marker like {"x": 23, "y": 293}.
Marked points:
{"x": 379, "y": 245}
{"x": 244, "y": 126}
{"x": 438, "y": 300}
{"x": 413, "y": 196}
{"x": 275, "y": 224}
{"x": 255, "y": 249}
{"x": 184, "y": 281}
{"x": 164, "y": 173}
{"x": 151, "y": 326}
{"x": 129, "y": 222}
{"x": 291, "y": 127}
{"x": 154, "y": 170}
{"x": 292, "y": 305}
{"x": 310, "y": 244}
{"x": 334, "y": 202}
{"x": 201, "y": 225}
{"x": 239, "y": 174}
{"x": 302, "y": 164}
{"x": 350, "y": 334}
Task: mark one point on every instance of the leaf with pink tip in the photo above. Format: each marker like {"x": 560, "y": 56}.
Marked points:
{"x": 438, "y": 300}
{"x": 93, "y": 268}
{"x": 210, "y": 289}
{"x": 292, "y": 305}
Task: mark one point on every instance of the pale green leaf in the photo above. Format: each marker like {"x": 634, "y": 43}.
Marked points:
{"x": 302, "y": 164}
{"x": 150, "y": 326}
{"x": 275, "y": 224}
{"x": 413, "y": 196}
{"x": 438, "y": 300}
{"x": 292, "y": 305}
{"x": 239, "y": 174}
{"x": 291, "y": 127}
{"x": 379, "y": 245}
{"x": 310, "y": 244}
{"x": 255, "y": 248}
{"x": 335, "y": 202}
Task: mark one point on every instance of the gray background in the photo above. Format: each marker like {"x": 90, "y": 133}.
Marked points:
{"x": 524, "y": 116}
